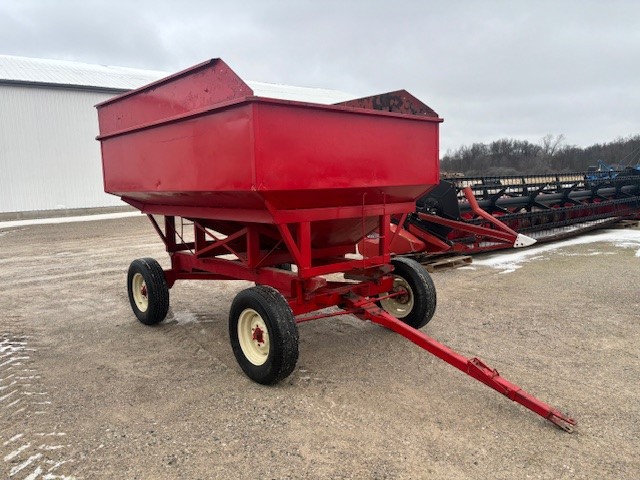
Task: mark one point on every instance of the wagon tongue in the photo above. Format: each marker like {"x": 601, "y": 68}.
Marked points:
{"x": 474, "y": 367}
{"x": 490, "y": 377}
{"x": 562, "y": 422}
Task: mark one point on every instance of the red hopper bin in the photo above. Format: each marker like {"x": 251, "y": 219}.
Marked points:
{"x": 277, "y": 192}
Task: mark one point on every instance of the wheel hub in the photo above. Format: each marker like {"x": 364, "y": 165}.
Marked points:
{"x": 253, "y": 336}
{"x": 399, "y": 305}
{"x": 140, "y": 294}
{"x": 257, "y": 335}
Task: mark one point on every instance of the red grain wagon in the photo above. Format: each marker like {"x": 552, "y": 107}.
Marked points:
{"x": 263, "y": 184}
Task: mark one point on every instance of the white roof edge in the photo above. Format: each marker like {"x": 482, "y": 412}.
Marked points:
{"x": 301, "y": 94}
{"x": 68, "y": 73}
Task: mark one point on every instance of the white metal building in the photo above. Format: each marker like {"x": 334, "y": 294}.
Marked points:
{"x": 49, "y": 158}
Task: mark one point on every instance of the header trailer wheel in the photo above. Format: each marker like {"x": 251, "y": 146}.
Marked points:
{"x": 415, "y": 302}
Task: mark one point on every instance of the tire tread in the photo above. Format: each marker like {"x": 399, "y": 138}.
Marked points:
{"x": 283, "y": 333}
{"x": 157, "y": 290}
{"x": 424, "y": 291}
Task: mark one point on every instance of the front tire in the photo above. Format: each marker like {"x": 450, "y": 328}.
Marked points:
{"x": 148, "y": 291}
{"x": 263, "y": 334}
{"x": 416, "y": 304}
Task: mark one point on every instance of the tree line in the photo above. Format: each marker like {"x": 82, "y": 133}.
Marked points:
{"x": 550, "y": 155}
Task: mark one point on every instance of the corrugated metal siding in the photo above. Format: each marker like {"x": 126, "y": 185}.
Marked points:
{"x": 49, "y": 158}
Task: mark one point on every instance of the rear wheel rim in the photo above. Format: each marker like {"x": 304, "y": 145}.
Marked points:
{"x": 140, "y": 294}
{"x": 401, "y": 305}
{"x": 253, "y": 336}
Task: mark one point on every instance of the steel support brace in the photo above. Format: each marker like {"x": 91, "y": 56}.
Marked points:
{"x": 482, "y": 232}
{"x": 472, "y": 367}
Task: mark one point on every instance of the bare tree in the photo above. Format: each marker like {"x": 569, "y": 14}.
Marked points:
{"x": 549, "y": 155}
{"x": 551, "y": 144}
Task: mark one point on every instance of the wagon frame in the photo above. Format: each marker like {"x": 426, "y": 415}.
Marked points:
{"x": 249, "y": 220}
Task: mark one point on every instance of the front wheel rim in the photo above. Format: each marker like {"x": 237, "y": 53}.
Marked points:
{"x": 253, "y": 336}
{"x": 401, "y": 305}
{"x": 140, "y": 293}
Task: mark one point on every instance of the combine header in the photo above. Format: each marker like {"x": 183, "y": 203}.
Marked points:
{"x": 246, "y": 184}
{"x": 479, "y": 214}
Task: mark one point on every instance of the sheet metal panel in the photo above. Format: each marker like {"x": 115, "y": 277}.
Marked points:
{"x": 49, "y": 158}
{"x": 293, "y": 154}
{"x": 199, "y": 139}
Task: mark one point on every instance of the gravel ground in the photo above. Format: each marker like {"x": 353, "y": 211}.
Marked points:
{"x": 86, "y": 391}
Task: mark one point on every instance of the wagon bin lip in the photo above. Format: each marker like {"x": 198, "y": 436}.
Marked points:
{"x": 218, "y": 86}
{"x": 254, "y": 99}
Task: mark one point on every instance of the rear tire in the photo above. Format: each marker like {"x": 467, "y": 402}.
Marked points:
{"x": 148, "y": 291}
{"x": 263, "y": 334}
{"x": 417, "y": 305}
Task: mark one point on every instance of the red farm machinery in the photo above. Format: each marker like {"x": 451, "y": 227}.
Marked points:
{"x": 279, "y": 192}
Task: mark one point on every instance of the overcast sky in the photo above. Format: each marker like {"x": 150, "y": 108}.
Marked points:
{"x": 491, "y": 69}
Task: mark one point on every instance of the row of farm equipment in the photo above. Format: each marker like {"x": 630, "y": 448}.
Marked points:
{"x": 465, "y": 215}
{"x": 237, "y": 186}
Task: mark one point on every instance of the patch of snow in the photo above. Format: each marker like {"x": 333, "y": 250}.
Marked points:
{"x": 16, "y": 452}
{"x": 508, "y": 262}
{"x": 25, "y": 464}
{"x": 13, "y": 439}
{"x": 510, "y": 268}
{"x": 185, "y": 317}
{"x": 82, "y": 218}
